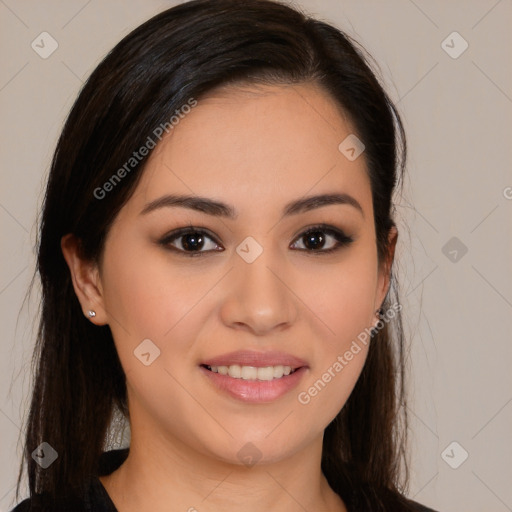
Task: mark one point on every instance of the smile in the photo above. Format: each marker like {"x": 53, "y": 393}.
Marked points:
{"x": 265, "y": 373}
{"x": 252, "y": 384}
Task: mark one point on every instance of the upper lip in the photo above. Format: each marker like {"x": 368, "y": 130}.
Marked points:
{"x": 257, "y": 359}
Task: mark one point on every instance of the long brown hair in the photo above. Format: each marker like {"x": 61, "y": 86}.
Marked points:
{"x": 185, "y": 52}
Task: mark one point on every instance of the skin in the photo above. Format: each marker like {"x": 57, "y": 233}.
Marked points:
{"x": 256, "y": 149}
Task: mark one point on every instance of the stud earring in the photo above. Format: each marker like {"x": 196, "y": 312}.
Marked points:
{"x": 375, "y": 329}
{"x": 91, "y": 313}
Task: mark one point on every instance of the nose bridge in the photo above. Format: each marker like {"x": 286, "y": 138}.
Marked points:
{"x": 256, "y": 270}
{"x": 258, "y": 296}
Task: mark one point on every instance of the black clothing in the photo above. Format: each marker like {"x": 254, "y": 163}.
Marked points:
{"x": 96, "y": 499}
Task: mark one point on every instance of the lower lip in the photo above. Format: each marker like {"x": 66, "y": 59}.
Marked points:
{"x": 255, "y": 391}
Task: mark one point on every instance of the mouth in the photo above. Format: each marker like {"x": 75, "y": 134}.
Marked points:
{"x": 254, "y": 377}
{"x": 252, "y": 373}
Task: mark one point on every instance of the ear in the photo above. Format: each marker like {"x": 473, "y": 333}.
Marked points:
{"x": 86, "y": 279}
{"x": 384, "y": 277}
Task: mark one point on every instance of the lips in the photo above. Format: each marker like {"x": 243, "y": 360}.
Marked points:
{"x": 233, "y": 374}
{"x": 256, "y": 359}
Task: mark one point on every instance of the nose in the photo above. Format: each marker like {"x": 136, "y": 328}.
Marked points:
{"x": 259, "y": 297}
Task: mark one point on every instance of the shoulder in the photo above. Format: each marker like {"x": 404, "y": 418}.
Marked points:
{"x": 94, "y": 499}
{"x": 111, "y": 460}
{"x": 414, "y": 506}
{"x": 369, "y": 499}
{"x": 35, "y": 504}
{"x": 24, "y": 506}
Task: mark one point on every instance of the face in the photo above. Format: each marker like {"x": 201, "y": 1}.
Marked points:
{"x": 270, "y": 275}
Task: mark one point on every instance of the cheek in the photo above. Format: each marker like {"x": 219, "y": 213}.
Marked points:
{"x": 342, "y": 295}
{"x": 146, "y": 293}
{"x": 152, "y": 296}
{"x": 150, "y": 308}
{"x": 342, "y": 301}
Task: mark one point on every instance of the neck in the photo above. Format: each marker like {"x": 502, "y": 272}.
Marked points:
{"x": 158, "y": 475}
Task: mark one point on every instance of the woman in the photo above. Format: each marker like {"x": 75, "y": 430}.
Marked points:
{"x": 216, "y": 256}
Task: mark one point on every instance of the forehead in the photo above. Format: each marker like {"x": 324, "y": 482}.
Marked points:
{"x": 256, "y": 146}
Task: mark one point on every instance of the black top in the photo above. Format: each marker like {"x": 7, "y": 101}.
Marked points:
{"x": 96, "y": 498}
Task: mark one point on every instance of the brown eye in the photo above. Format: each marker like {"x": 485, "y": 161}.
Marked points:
{"x": 323, "y": 239}
{"x": 190, "y": 241}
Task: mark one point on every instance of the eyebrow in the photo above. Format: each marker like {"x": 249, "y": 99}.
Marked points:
{"x": 220, "y": 209}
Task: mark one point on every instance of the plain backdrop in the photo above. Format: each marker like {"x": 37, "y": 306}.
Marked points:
{"x": 455, "y": 251}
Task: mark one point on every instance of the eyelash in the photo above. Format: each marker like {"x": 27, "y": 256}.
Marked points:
{"x": 340, "y": 237}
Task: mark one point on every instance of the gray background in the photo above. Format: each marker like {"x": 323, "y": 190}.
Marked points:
{"x": 458, "y": 116}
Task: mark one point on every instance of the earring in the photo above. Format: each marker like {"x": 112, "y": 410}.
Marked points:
{"x": 91, "y": 313}
{"x": 374, "y": 330}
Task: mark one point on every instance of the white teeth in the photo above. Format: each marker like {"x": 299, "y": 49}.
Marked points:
{"x": 249, "y": 373}
{"x": 252, "y": 372}
{"x": 279, "y": 371}
{"x": 235, "y": 371}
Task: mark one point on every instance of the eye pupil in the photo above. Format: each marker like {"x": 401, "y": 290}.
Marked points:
{"x": 314, "y": 240}
{"x": 192, "y": 241}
